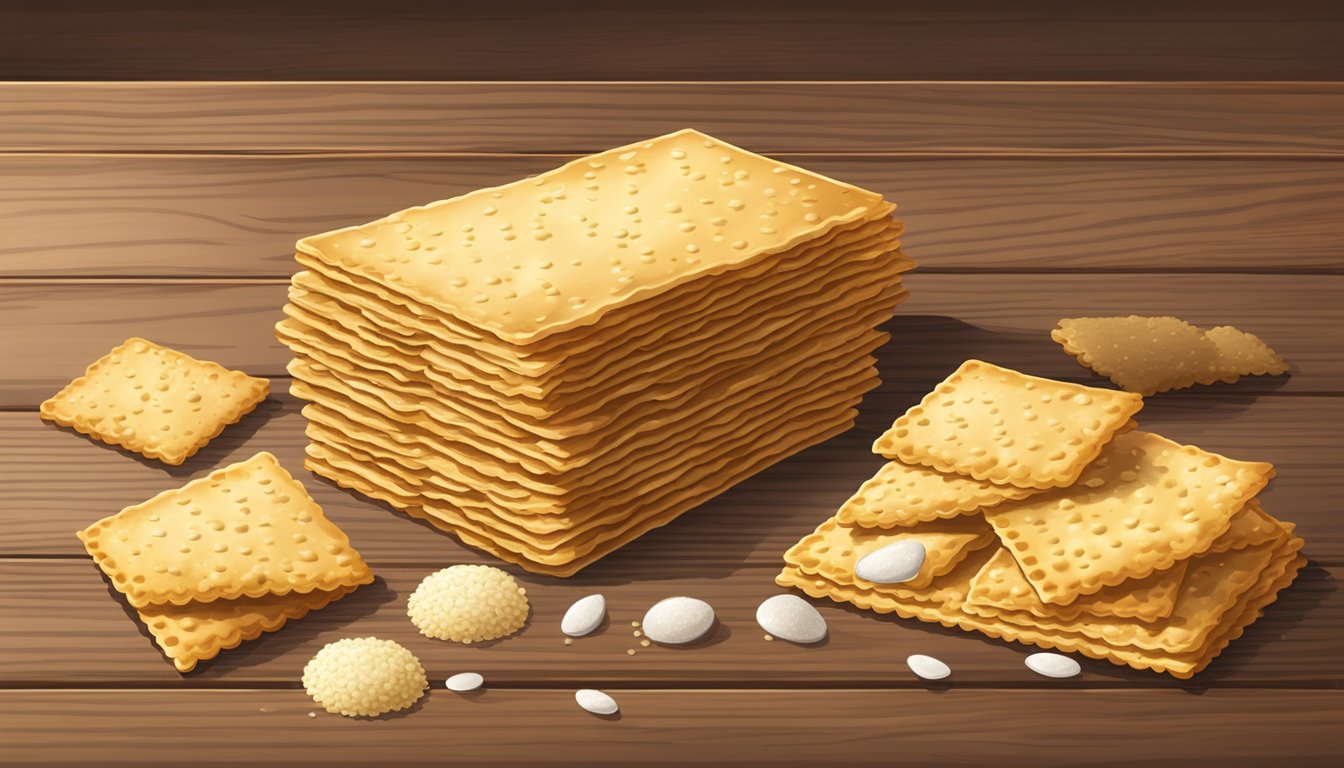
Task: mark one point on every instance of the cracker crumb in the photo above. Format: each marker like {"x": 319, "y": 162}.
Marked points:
{"x": 769, "y": 638}
{"x": 467, "y": 604}
{"x": 629, "y": 651}
{"x": 569, "y": 641}
{"x": 645, "y": 643}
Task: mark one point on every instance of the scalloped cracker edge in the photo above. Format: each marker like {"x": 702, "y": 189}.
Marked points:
{"x": 1143, "y": 504}
{"x": 247, "y": 530}
{"x": 155, "y": 401}
{"x": 1006, "y": 427}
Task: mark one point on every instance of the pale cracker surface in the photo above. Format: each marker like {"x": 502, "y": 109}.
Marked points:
{"x": 901, "y": 495}
{"x": 247, "y": 530}
{"x": 545, "y": 254}
{"x": 1142, "y": 505}
{"x": 195, "y": 632}
{"x": 1140, "y": 354}
{"x": 1006, "y": 427}
{"x": 155, "y": 401}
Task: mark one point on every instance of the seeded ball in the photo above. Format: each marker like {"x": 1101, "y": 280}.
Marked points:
{"x": 468, "y": 604}
{"x": 364, "y": 676}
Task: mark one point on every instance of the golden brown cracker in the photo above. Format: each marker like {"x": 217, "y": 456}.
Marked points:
{"x": 247, "y": 530}
{"x": 660, "y": 207}
{"x": 1281, "y": 570}
{"x": 1242, "y": 354}
{"x": 155, "y": 401}
{"x": 1141, "y": 506}
{"x": 195, "y": 632}
{"x": 902, "y": 495}
{"x": 1140, "y": 354}
{"x": 1006, "y": 427}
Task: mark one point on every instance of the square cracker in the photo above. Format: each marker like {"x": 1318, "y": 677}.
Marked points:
{"x": 1242, "y": 354}
{"x": 196, "y": 632}
{"x": 155, "y": 401}
{"x": 834, "y": 550}
{"x": 1002, "y": 588}
{"x": 247, "y": 530}
{"x": 1140, "y": 354}
{"x": 1142, "y": 505}
{"x": 1006, "y": 427}
{"x": 902, "y": 495}
{"x": 666, "y": 211}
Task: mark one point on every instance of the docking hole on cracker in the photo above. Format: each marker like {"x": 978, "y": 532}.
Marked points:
{"x": 155, "y": 401}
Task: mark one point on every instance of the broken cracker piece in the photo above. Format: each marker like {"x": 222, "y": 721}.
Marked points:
{"x": 155, "y": 401}
{"x": 1242, "y": 354}
{"x": 1158, "y": 354}
{"x": 1140, "y": 354}
{"x": 247, "y": 530}
{"x": 1006, "y": 427}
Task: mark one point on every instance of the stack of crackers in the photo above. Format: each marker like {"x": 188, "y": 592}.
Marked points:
{"x": 550, "y": 368}
{"x": 225, "y": 558}
{"x": 1047, "y": 518}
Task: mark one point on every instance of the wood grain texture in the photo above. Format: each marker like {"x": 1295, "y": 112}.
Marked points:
{"x": 59, "y": 328}
{"x": 868, "y": 117}
{"x": 67, "y": 610}
{"x": 56, "y": 481}
{"x": 240, "y": 216}
{"x": 693, "y": 39}
{"x": 782, "y": 728}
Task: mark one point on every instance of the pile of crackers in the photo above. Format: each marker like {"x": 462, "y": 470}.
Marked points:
{"x": 225, "y": 558}
{"x": 1046, "y": 517}
{"x": 550, "y": 368}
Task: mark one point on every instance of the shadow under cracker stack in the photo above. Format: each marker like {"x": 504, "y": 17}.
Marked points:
{"x": 550, "y": 368}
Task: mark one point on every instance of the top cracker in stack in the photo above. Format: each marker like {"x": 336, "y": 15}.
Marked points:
{"x": 550, "y": 368}
{"x": 1046, "y": 518}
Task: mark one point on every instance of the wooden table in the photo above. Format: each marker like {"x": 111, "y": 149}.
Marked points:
{"x": 170, "y": 209}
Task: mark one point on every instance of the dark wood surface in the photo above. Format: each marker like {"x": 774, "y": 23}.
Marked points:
{"x": 169, "y": 210}
{"x": 685, "y": 40}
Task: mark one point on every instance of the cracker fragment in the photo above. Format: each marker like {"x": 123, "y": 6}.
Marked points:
{"x": 902, "y": 495}
{"x": 155, "y": 401}
{"x": 1142, "y": 505}
{"x": 1006, "y": 427}
{"x": 1242, "y": 354}
{"x": 1159, "y": 354}
{"x": 1140, "y": 354}
{"x": 247, "y": 530}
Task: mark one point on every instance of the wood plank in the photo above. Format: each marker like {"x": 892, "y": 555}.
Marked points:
{"x": 1035, "y": 39}
{"x": 883, "y": 117}
{"x": 55, "y": 481}
{"x": 230, "y": 216}
{"x": 781, "y": 728}
{"x": 64, "y": 610}
{"x": 57, "y": 328}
